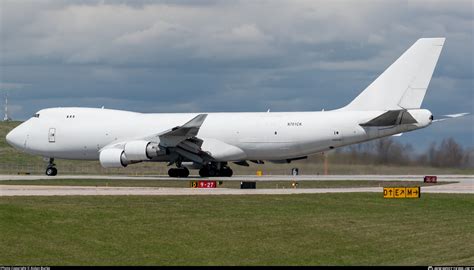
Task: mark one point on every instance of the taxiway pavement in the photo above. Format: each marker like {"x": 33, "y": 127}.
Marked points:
{"x": 463, "y": 185}
{"x": 245, "y": 177}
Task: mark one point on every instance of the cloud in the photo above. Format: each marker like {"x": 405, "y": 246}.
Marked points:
{"x": 6, "y": 86}
{"x": 225, "y": 55}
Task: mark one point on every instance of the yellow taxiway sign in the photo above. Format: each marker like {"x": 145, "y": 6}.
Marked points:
{"x": 401, "y": 192}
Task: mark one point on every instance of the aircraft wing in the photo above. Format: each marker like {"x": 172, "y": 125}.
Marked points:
{"x": 175, "y": 145}
{"x": 181, "y": 141}
{"x": 176, "y": 135}
{"x": 450, "y": 116}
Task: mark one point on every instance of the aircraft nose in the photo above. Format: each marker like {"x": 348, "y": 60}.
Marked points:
{"x": 16, "y": 138}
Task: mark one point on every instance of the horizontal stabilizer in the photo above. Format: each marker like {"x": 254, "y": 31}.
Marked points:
{"x": 391, "y": 118}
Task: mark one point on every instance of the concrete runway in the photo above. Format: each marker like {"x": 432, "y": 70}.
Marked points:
{"x": 464, "y": 185}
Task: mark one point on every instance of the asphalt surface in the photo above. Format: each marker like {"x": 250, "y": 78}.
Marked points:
{"x": 464, "y": 185}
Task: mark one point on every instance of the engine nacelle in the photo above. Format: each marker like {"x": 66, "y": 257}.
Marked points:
{"x": 136, "y": 150}
{"x": 142, "y": 150}
{"x": 113, "y": 158}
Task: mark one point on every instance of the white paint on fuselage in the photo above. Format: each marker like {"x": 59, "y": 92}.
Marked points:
{"x": 262, "y": 136}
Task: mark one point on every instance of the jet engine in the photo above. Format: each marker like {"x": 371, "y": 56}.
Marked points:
{"x": 113, "y": 158}
{"x": 142, "y": 150}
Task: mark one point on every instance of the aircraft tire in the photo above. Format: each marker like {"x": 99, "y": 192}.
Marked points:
{"x": 51, "y": 171}
{"x": 212, "y": 172}
{"x": 183, "y": 172}
{"x": 203, "y": 172}
{"x": 226, "y": 172}
{"x": 178, "y": 172}
{"x": 172, "y": 172}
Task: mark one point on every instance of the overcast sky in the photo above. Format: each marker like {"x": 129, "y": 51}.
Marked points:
{"x": 191, "y": 56}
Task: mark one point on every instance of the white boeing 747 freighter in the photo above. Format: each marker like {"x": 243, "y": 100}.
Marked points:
{"x": 210, "y": 141}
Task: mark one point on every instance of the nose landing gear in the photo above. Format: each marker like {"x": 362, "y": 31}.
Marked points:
{"x": 51, "y": 169}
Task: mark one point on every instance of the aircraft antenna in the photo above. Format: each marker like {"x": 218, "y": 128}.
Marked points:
{"x": 6, "y": 117}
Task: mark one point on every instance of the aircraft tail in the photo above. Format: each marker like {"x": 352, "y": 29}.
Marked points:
{"x": 402, "y": 85}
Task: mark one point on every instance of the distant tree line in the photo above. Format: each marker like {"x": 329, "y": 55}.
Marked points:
{"x": 387, "y": 151}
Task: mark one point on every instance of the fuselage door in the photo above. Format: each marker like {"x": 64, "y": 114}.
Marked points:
{"x": 52, "y": 135}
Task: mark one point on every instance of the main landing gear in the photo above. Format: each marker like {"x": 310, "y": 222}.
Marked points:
{"x": 212, "y": 170}
{"x": 51, "y": 169}
{"x": 209, "y": 170}
{"x": 178, "y": 172}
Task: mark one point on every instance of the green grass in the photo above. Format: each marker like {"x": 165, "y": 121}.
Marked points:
{"x": 316, "y": 229}
{"x": 222, "y": 184}
{"x": 9, "y": 155}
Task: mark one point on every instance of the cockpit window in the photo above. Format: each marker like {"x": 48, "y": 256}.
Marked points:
{"x": 36, "y": 115}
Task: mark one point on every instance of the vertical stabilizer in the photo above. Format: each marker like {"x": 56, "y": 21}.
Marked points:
{"x": 402, "y": 85}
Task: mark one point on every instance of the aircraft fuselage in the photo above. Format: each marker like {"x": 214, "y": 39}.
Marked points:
{"x": 79, "y": 133}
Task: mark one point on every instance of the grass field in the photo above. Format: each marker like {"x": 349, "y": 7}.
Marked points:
{"x": 221, "y": 184}
{"x": 316, "y": 229}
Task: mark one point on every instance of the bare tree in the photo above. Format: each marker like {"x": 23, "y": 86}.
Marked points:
{"x": 388, "y": 151}
{"x": 448, "y": 154}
